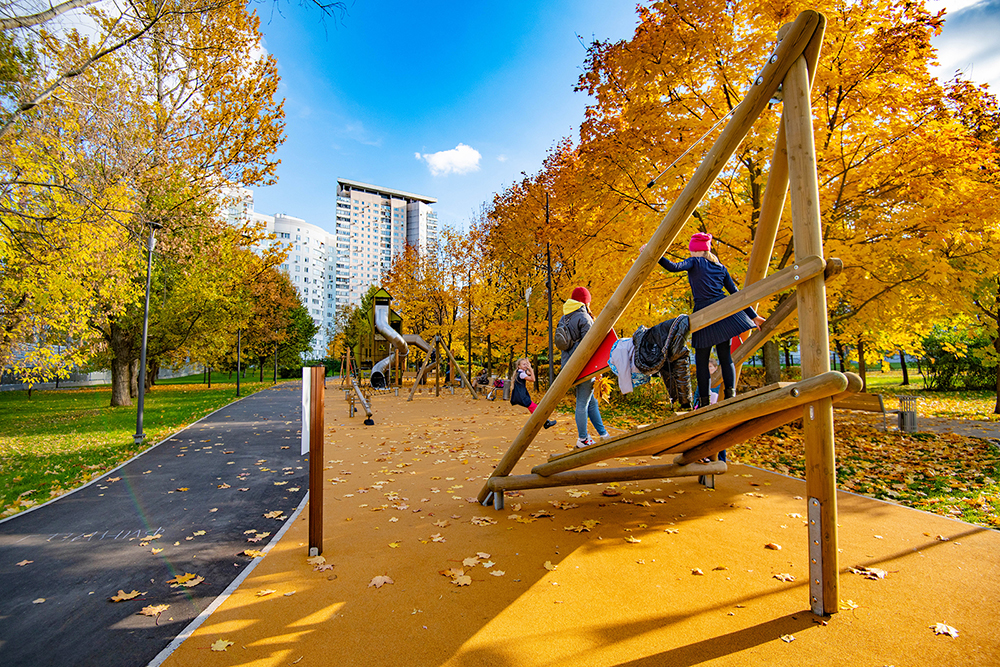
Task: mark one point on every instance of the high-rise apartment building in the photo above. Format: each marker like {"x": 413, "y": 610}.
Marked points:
{"x": 334, "y": 268}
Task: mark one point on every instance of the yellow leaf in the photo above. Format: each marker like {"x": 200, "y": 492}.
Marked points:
{"x": 221, "y": 645}
{"x": 153, "y": 610}
{"x": 265, "y": 592}
{"x": 122, "y": 595}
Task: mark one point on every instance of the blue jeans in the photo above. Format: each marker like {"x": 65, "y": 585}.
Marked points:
{"x": 586, "y": 406}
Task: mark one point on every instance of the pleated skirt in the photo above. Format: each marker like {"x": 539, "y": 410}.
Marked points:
{"x": 722, "y": 331}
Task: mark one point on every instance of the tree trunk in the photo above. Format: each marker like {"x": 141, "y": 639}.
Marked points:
{"x": 122, "y": 351}
{"x": 538, "y": 371}
{"x": 996, "y": 346}
{"x": 788, "y": 357}
{"x": 902, "y": 364}
{"x": 840, "y": 355}
{"x": 489, "y": 354}
{"x": 862, "y": 366}
{"x": 133, "y": 378}
{"x": 152, "y": 371}
{"x": 772, "y": 362}
{"x": 260, "y": 363}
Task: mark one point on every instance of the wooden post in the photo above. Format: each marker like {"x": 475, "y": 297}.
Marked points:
{"x": 437, "y": 365}
{"x": 316, "y": 430}
{"x": 795, "y": 41}
{"x": 465, "y": 378}
{"x": 420, "y": 374}
{"x": 817, "y": 420}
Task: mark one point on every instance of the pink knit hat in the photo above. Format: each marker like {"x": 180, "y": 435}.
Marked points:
{"x": 700, "y": 242}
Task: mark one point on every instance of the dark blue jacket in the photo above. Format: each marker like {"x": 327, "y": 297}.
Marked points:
{"x": 707, "y": 280}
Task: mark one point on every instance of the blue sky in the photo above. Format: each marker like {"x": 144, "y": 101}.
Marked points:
{"x": 454, "y": 101}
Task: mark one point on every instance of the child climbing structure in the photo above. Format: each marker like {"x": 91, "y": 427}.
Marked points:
{"x": 701, "y": 433}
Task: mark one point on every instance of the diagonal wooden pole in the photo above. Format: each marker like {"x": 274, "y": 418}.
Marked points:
{"x": 789, "y": 48}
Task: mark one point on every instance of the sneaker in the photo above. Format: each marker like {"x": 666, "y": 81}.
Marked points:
{"x": 549, "y": 423}
{"x": 603, "y": 436}
{"x": 584, "y": 442}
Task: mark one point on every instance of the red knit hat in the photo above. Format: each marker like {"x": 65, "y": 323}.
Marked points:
{"x": 700, "y": 242}
{"x": 581, "y": 294}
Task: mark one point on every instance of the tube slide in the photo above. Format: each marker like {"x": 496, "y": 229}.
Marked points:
{"x": 379, "y": 376}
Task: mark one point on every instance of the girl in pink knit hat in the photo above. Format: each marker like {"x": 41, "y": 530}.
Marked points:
{"x": 710, "y": 281}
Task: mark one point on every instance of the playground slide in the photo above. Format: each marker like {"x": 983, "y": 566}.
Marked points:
{"x": 379, "y": 370}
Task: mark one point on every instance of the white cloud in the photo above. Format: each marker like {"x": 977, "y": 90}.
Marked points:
{"x": 501, "y": 158}
{"x": 459, "y": 160}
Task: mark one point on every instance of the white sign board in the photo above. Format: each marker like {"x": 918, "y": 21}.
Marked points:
{"x": 306, "y": 407}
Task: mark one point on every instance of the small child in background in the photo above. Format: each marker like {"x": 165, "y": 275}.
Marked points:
{"x": 713, "y": 392}
{"x": 519, "y": 393}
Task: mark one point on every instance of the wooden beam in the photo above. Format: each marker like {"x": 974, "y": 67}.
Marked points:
{"x": 817, "y": 420}
{"x": 790, "y": 276}
{"x": 723, "y": 415}
{"x": 420, "y": 374}
{"x": 794, "y": 43}
{"x": 774, "y": 323}
{"x": 759, "y": 426}
{"x": 465, "y": 378}
{"x": 604, "y": 475}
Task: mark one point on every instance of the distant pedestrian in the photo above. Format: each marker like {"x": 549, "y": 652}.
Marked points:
{"x": 578, "y": 320}
{"x": 519, "y": 394}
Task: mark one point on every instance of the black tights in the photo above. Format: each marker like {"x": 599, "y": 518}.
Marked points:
{"x": 701, "y": 356}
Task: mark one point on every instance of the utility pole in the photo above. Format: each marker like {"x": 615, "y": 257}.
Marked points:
{"x": 548, "y": 286}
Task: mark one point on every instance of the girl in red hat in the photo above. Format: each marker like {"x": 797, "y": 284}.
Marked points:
{"x": 577, "y": 318}
{"x": 710, "y": 281}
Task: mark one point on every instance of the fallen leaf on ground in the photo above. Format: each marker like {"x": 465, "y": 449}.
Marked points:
{"x": 549, "y": 566}
{"x": 38, "y": 601}
{"x": 153, "y": 610}
{"x": 393, "y": 545}
{"x": 380, "y": 581}
{"x": 122, "y": 595}
{"x": 463, "y": 580}
{"x": 577, "y": 493}
{"x": 155, "y": 550}
{"x": 266, "y": 591}
{"x": 633, "y": 540}
{"x": 198, "y": 533}
{"x": 497, "y": 573}
{"x": 787, "y": 638}
{"x": 869, "y": 572}
{"x": 253, "y": 553}
{"x": 182, "y": 488}
{"x": 482, "y": 521}
{"x": 848, "y": 604}
{"x": 942, "y": 629}
{"x": 187, "y": 580}
{"x": 316, "y": 560}
{"x": 25, "y": 562}
{"x": 471, "y": 561}
{"x": 784, "y": 577}
{"x": 221, "y": 645}
{"x": 772, "y": 545}
{"x": 697, "y": 571}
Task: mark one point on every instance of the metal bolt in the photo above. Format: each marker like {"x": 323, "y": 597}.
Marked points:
{"x": 759, "y": 81}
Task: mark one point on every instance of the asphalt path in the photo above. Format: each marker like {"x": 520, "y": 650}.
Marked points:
{"x": 204, "y": 492}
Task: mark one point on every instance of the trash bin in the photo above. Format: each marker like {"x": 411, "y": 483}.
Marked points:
{"x": 908, "y": 414}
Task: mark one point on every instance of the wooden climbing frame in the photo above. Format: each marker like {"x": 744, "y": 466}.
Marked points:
{"x": 699, "y": 434}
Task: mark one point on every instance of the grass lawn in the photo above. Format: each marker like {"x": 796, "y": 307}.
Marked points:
{"x": 58, "y": 440}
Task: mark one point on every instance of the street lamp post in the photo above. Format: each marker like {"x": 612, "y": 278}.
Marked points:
{"x": 527, "y": 307}
{"x": 139, "y": 435}
{"x": 239, "y": 343}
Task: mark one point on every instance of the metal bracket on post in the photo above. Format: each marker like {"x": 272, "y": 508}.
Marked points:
{"x": 498, "y": 500}
{"x": 815, "y": 558}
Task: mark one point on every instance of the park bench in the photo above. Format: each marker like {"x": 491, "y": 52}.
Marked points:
{"x": 866, "y": 402}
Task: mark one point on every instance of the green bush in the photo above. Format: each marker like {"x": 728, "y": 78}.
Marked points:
{"x": 958, "y": 359}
